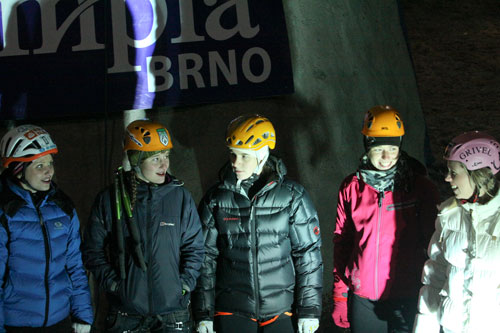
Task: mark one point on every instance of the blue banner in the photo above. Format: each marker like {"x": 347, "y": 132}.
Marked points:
{"x": 74, "y": 57}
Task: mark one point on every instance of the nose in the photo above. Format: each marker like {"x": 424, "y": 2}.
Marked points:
{"x": 384, "y": 154}
{"x": 447, "y": 177}
{"x": 164, "y": 162}
{"x": 49, "y": 170}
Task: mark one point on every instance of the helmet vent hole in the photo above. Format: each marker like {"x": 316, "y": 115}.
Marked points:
{"x": 265, "y": 135}
{"x": 259, "y": 121}
{"x": 249, "y": 128}
{"x": 249, "y": 139}
{"x": 256, "y": 142}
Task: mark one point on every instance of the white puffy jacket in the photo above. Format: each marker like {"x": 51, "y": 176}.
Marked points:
{"x": 461, "y": 279}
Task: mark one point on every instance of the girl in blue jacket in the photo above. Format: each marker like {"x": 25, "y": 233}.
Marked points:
{"x": 44, "y": 285}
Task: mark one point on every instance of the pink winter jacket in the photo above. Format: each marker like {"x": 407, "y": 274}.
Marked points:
{"x": 380, "y": 239}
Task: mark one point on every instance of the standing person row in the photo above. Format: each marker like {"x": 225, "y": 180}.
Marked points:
{"x": 263, "y": 262}
{"x": 44, "y": 285}
{"x": 385, "y": 215}
{"x": 461, "y": 291}
{"x": 144, "y": 242}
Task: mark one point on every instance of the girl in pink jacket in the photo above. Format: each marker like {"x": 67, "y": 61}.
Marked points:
{"x": 385, "y": 218}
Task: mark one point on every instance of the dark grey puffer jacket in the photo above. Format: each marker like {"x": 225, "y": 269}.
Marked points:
{"x": 262, "y": 252}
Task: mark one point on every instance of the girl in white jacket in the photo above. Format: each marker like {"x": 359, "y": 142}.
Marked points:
{"x": 461, "y": 291}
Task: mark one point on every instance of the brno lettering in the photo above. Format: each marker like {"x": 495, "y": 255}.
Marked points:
{"x": 190, "y": 65}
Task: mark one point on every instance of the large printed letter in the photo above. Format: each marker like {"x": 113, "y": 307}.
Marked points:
{"x": 194, "y": 71}
{"x": 10, "y": 38}
{"x": 218, "y": 32}
{"x": 159, "y": 71}
{"x": 188, "y": 34}
{"x": 52, "y": 35}
{"x": 266, "y": 65}
{"x": 215, "y": 61}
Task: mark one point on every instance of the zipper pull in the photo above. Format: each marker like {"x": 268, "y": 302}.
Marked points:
{"x": 381, "y": 196}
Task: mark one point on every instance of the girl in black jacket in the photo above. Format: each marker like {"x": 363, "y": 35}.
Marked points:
{"x": 144, "y": 243}
{"x": 262, "y": 242}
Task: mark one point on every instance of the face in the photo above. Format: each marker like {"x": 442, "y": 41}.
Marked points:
{"x": 243, "y": 164}
{"x": 38, "y": 174}
{"x": 154, "y": 168}
{"x": 460, "y": 181}
{"x": 384, "y": 157}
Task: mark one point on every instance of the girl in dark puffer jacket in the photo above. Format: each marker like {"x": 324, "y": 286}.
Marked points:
{"x": 262, "y": 242}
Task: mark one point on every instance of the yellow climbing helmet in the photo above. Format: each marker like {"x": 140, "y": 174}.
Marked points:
{"x": 383, "y": 121}
{"x": 146, "y": 135}
{"x": 251, "y": 132}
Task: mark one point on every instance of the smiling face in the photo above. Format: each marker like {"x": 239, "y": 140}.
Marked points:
{"x": 460, "y": 181}
{"x": 38, "y": 174}
{"x": 243, "y": 164}
{"x": 154, "y": 168}
{"x": 383, "y": 157}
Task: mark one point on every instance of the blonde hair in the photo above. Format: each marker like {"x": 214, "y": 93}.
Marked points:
{"x": 484, "y": 180}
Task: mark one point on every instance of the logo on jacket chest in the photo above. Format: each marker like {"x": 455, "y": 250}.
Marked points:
{"x": 167, "y": 224}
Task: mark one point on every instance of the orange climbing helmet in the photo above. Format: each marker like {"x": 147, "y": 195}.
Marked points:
{"x": 383, "y": 121}
{"x": 146, "y": 135}
{"x": 251, "y": 132}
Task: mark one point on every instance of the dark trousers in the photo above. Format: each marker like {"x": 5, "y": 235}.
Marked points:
{"x": 64, "y": 326}
{"x": 388, "y": 316}
{"x": 239, "y": 324}
{"x": 175, "y": 322}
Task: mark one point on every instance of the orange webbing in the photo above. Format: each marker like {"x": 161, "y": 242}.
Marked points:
{"x": 223, "y": 313}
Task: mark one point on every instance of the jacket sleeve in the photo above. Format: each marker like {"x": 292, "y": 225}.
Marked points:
{"x": 306, "y": 251}
{"x": 192, "y": 249}
{"x": 4, "y": 255}
{"x": 204, "y": 296}
{"x": 95, "y": 242}
{"x": 81, "y": 306}
{"x": 342, "y": 244}
{"x": 433, "y": 279}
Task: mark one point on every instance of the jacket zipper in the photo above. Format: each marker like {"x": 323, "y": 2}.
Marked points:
{"x": 149, "y": 246}
{"x": 255, "y": 260}
{"x": 254, "y": 248}
{"x": 379, "y": 221}
{"x": 47, "y": 261}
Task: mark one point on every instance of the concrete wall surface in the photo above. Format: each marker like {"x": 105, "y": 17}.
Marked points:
{"x": 347, "y": 55}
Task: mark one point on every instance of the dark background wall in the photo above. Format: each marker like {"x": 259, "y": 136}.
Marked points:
{"x": 347, "y": 56}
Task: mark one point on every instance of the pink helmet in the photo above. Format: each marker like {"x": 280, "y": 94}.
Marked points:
{"x": 476, "y": 150}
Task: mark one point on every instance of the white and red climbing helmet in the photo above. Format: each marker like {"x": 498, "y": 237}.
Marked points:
{"x": 26, "y": 143}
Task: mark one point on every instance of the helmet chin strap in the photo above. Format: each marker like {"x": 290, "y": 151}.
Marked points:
{"x": 262, "y": 155}
{"x": 23, "y": 181}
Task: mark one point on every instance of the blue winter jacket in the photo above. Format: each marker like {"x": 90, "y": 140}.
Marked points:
{"x": 40, "y": 261}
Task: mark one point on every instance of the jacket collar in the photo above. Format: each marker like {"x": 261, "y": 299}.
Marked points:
{"x": 276, "y": 172}
{"x": 486, "y": 210}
